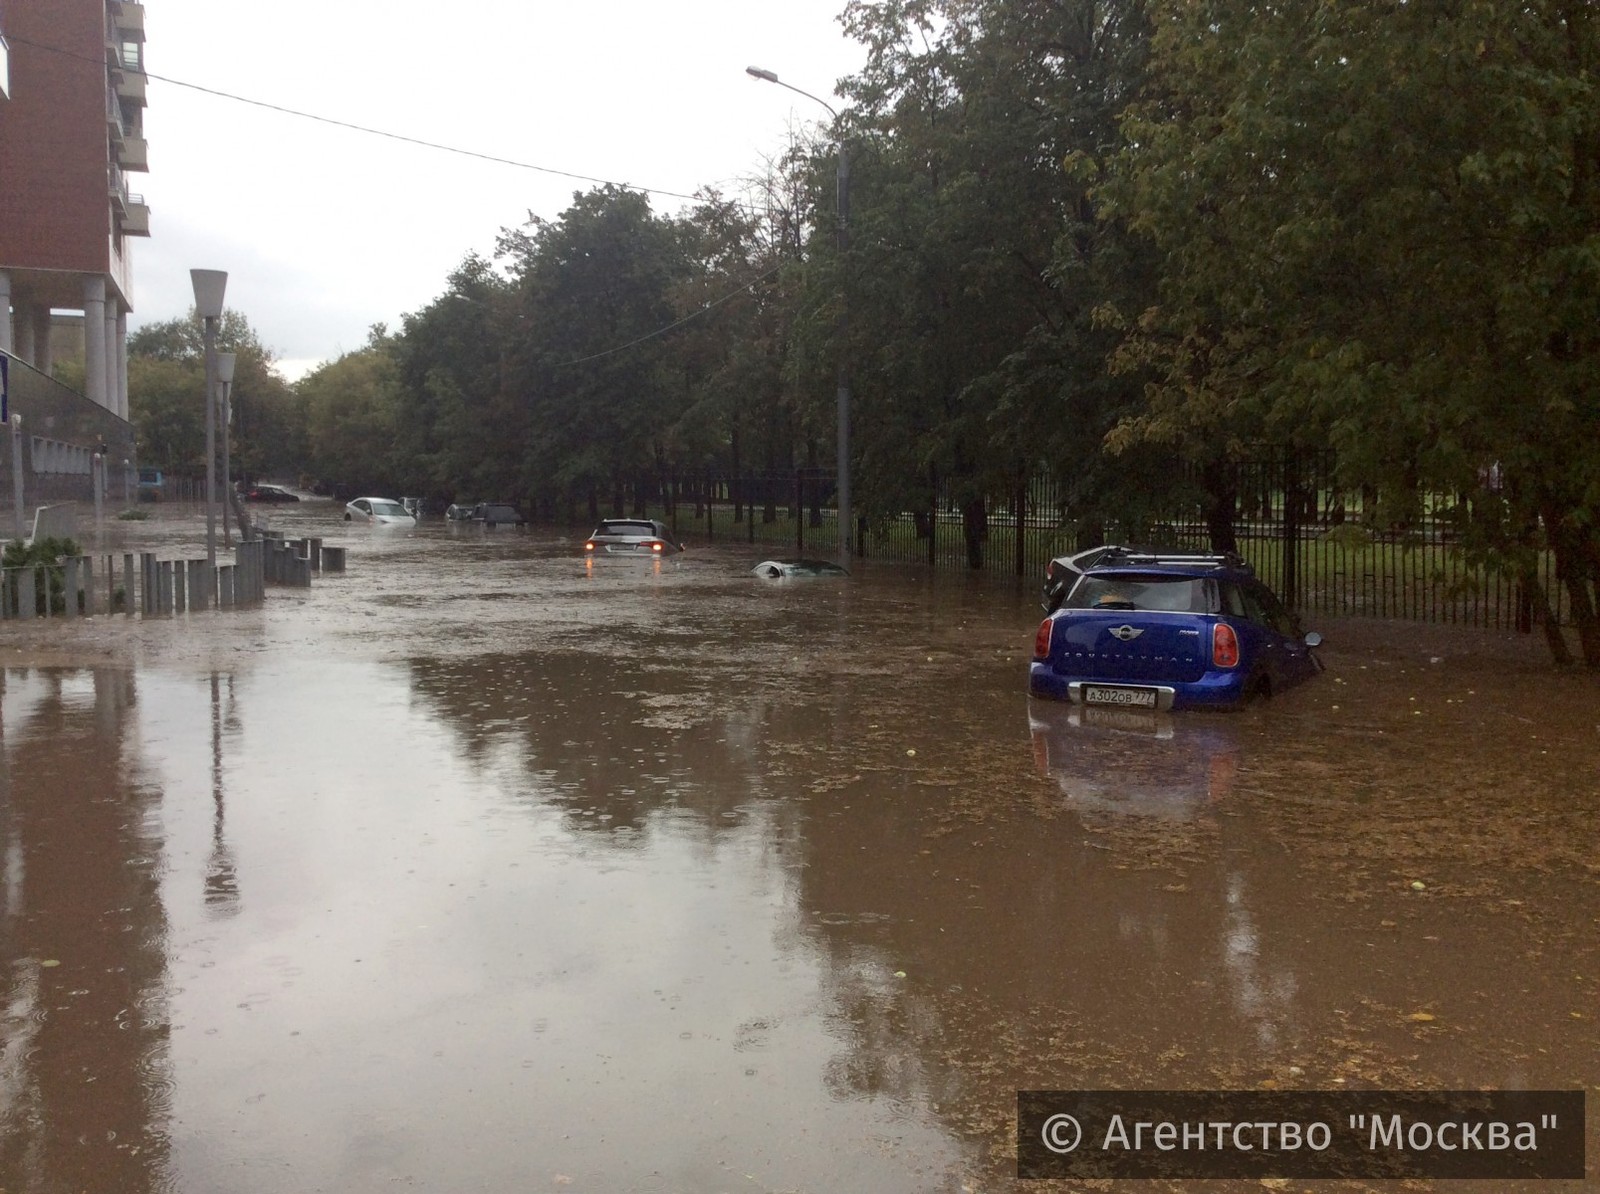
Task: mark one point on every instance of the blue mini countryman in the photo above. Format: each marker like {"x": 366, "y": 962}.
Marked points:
{"x": 1156, "y": 632}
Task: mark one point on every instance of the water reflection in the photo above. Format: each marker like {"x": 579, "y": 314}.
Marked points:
{"x": 84, "y": 1073}
{"x": 222, "y": 879}
{"x": 1129, "y": 762}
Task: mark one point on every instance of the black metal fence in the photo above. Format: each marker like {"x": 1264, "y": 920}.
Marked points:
{"x": 1319, "y": 545}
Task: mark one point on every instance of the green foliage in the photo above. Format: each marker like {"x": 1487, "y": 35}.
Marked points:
{"x": 46, "y": 556}
{"x": 166, "y": 384}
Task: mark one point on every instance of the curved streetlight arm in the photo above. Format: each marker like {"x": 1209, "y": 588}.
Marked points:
{"x": 767, "y": 76}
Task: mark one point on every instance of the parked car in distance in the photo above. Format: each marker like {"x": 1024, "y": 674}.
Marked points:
{"x": 1153, "y": 632}
{"x": 151, "y": 484}
{"x": 1061, "y": 573}
{"x": 378, "y": 511}
{"x": 413, "y": 507}
{"x": 460, "y": 511}
{"x": 631, "y": 536}
{"x": 268, "y": 493}
{"x": 498, "y": 514}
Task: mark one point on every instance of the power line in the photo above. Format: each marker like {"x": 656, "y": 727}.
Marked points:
{"x": 367, "y": 129}
{"x": 732, "y": 294}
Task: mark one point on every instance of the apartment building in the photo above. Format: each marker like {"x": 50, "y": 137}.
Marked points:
{"x": 71, "y": 135}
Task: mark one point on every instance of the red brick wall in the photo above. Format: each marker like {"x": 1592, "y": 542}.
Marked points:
{"x": 54, "y": 210}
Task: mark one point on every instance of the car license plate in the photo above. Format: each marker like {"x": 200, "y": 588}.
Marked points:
{"x": 1139, "y": 698}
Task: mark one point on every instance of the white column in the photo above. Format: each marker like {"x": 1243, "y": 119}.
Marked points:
{"x": 24, "y": 330}
{"x": 122, "y": 362}
{"x": 113, "y": 307}
{"x": 94, "y": 338}
{"x": 5, "y": 311}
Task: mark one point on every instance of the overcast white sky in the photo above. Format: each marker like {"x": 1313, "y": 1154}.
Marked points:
{"x": 325, "y": 231}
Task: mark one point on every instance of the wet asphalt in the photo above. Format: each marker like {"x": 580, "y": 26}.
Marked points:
{"x": 481, "y": 867}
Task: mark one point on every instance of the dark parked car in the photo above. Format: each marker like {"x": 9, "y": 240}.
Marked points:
{"x": 460, "y": 511}
{"x": 631, "y": 536}
{"x": 1164, "y": 633}
{"x": 498, "y": 514}
{"x": 269, "y": 493}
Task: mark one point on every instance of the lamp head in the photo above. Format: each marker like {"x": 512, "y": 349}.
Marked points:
{"x": 209, "y": 285}
{"x": 225, "y": 363}
{"x": 755, "y": 72}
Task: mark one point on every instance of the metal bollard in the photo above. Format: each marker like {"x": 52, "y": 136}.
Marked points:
{"x": 27, "y": 597}
{"x": 199, "y": 594}
{"x": 149, "y": 594}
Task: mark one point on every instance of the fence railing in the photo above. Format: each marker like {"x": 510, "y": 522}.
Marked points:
{"x": 1317, "y": 544}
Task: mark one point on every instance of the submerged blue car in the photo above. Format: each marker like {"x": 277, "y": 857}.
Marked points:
{"x": 1153, "y": 632}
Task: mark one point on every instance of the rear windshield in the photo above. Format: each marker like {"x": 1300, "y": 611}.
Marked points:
{"x": 626, "y": 528}
{"x": 393, "y": 508}
{"x": 1179, "y": 594}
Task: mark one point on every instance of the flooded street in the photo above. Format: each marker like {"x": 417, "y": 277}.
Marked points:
{"x": 479, "y": 867}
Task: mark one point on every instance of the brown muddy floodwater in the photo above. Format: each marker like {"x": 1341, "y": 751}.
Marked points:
{"x": 478, "y": 868}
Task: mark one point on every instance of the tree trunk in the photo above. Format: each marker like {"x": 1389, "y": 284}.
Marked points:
{"x": 975, "y": 529}
{"x": 1220, "y": 480}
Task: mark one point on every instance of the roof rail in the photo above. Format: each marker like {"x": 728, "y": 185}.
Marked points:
{"x": 1213, "y": 559}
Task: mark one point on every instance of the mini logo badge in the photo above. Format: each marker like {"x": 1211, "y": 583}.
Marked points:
{"x": 1127, "y": 633}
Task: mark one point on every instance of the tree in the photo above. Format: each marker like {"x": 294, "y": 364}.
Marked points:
{"x": 1379, "y": 226}
{"x": 166, "y": 384}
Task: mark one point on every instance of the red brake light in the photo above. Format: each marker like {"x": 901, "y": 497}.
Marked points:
{"x": 656, "y": 546}
{"x": 589, "y": 546}
{"x": 1041, "y": 640}
{"x": 1224, "y": 646}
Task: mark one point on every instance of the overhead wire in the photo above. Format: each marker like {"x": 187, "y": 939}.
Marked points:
{"x": 283, "y": 109}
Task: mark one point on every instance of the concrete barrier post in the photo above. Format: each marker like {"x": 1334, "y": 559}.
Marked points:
{"x": 164, "y": 591}
{"x": 333, "y": 559}
{"x": 147, "y": 583}
{"x": 225, "y": 586}
{"x": 88, "y": 587}
{"x": 180, "y": 587}
{"x": 69, "y": 588}
{"x": 27, "y": 600}
{"x": 199, "y": 595}
{"x": 127, "y": 583}
{"x": 316, "y": 554}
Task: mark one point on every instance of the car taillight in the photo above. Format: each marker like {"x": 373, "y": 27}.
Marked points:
{"x": 1224, "y": 646}
{"x": 589, "y": 546}
{"x": 656, "y": 546}
{"x": 1041, "y": 641}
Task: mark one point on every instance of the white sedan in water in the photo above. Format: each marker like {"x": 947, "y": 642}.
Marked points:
{"x": 381, "y": 511}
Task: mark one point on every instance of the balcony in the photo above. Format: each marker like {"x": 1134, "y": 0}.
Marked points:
{"x": 130, "y": 18}
{"x": 136, "y": 221}
{"x": 130, "y": 86}
{"x": 134, "y": 154}
{"x": 118, "y": 190}
{"x": 115, "y": 127}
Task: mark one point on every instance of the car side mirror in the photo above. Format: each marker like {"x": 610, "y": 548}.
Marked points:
{"x": 1313, "y": 639}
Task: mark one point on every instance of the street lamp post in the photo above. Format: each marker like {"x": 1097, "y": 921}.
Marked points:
{"x": 209, "y": 285}
{"x": 842, "y": 185}
{"x": 225, "y": 363}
